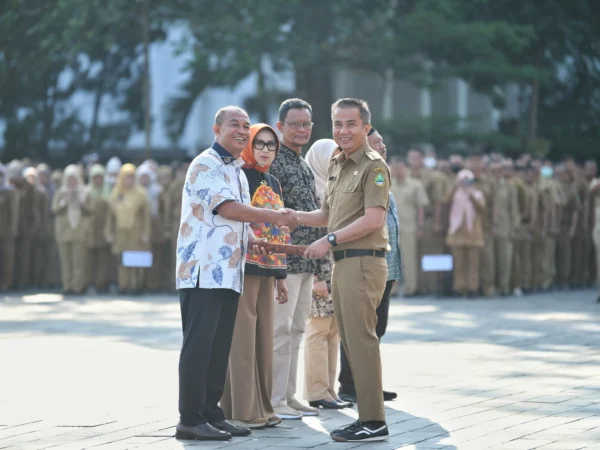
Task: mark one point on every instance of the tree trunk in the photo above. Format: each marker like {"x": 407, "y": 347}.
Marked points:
{"x": 262, "y": 98}
{"x": 92, "y": 143}
{"x": 314, "y": 84}
{"x": 534, "y": 110}
{"x": 48, "y": 119}
{"x": 146, "y": 81}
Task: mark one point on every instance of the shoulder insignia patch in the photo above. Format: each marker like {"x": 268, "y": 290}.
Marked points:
{"x": 373, "y": 155}
{"x": 379, "y": 180}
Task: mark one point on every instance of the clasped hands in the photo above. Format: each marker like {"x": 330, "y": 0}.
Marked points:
{"x": 288, "y": 218}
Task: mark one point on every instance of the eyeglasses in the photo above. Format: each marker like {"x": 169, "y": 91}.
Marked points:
{"x": 260, "y": 145}
{"x": 298, "y": 125}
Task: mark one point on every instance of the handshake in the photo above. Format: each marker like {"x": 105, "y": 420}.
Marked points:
{"x": 287, "y": 218}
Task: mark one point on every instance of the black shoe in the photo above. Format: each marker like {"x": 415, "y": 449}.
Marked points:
{"x": 344, "y": 428}
{"x": 388, "y": 396}
{"x": 363, "y": 432}
{"x": 231, "y": 429}
{"x": 348, "y": 397}
{"x": 203, "y": 432}
{"x": 326, "y": 404}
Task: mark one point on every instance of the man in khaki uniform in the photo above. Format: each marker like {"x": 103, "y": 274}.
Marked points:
{"x": 27, "y": 224}
{"x": 528, "y": 213}
{"x": 174, "y": 195}
{"x": 579, "y": 263}
{"x": 354, "y": 210}
{"x": 506, "y": 219}
{"x": 9, "y": 216}
{"x": 595, "y": 202}
{"x": 557, "y": 198}
{"x": 569, "y": 219}
{"x": 433, "y": 239}
{"x": 590, "y": 171}
{"x": 411, "y": 199}
{"x": 39, "y": 260}
{"x": 485, "y": 184}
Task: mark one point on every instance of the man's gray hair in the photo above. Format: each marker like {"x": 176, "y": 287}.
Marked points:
{"x": 361, "y": 105}
{"x": 221, "y": 113}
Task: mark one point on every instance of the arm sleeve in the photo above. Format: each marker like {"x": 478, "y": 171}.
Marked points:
{"x": 206, "y": 184}
{"x": 422, "y": 199}
{"x": 377, "y": 187}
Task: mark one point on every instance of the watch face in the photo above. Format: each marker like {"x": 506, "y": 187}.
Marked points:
{"x": 331, "y": 238}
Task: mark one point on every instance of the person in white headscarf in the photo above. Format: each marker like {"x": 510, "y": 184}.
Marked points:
{"x": 9, "y": 215}
{"x": 71, "y": 208}
{"x": 322, "y": 342}
{"x": 27, "y": 226}
{"x": 113, "y": 167}
{"x": 146, "y": 177}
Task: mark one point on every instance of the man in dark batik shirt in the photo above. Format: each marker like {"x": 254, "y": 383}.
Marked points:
{"x": 299, "y": 194}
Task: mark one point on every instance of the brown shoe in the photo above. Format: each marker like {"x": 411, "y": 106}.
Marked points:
{"x": 203, "y": 432}
{"x": 273, "y": 421}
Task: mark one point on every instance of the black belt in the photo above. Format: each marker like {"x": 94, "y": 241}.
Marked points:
{"x": 343, "y": 254}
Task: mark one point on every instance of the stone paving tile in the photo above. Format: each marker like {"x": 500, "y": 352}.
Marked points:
{"x": 473, "y": 375}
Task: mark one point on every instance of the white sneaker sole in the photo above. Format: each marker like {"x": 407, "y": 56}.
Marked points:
{"x": 369, "y": 439}
{"x": 308, "y": 414}
{"x": 289, "y": 417}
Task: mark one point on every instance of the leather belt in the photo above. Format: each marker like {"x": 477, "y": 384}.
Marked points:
{"x": 353, "y": 253}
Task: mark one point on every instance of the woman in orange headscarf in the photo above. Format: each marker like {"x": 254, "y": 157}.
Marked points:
{"x": 247, "y": 396}
{"x": 128, "y": 226}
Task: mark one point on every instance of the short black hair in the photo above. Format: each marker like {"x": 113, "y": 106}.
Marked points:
{"x": 292, "y": 103}
{"x": 372, "y": 131}
{"x": 361, "y": 105}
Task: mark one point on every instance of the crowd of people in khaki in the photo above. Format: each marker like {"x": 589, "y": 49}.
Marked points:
{"x": 68, "y": 229}
{"x": 513, "y": 227}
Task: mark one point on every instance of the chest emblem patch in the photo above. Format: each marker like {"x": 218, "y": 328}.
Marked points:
{"x": 379, "y": 180}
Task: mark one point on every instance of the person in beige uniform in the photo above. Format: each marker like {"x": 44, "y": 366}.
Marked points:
{"x": 465, "y": 232}
{"x": 354, "y": 210}
{"x": 556, "y": 198}
{"x": 595, "y": 203}
{"x": 45, "y": 254}
{"x": 99, "y": 255}
{"x": 590, "y": 171}
{"x": 411, "y": 201}
{"x": 432, "y": 241}
{"x": 165, "y": 178}
{"x": 128, "y": 227}
{"x": 158, "y": 214}
{"x": 27, "y": 224}
{"x": 506, "y": 218}
{"x": 579, "y": 253}
{"x": 71, "y": 208}
{"x": 483, "y": 183}
{"x": 9, "y": 220}
{"x": 569, "y": 219}
{"x": 523, "y": 257}
{"x": 174, "y": 196}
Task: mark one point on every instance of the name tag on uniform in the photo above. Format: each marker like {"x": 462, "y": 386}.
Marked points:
{"x": 137, "y": 259}
{"x": 436, "y": 263}
{"x": 331, "y": 178}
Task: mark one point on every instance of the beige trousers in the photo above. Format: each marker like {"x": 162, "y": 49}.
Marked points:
{"x": 7, "y": 263}
{"x": 357, "y": 286}
{"x": 321, "y": 353}
{"x": 99, "y": 263}
{"x": 466, "y": 268}
{"x": 488, "y": 267}
{"x": 503, "y": 253}
{"x": 247, "y": 394}
{"x": 288, "y": 329}
{"x": 411, "y": 264}
{"x": 73, "y": 263}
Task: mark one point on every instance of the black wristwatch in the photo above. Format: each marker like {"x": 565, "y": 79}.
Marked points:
{"x": 332, "y": 240}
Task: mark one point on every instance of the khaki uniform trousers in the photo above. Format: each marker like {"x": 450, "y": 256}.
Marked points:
{"x": 597, "y": 246}
{"x": 357, "y": 288}
{"x": 154, "y": 275}
{"x": 23, "y": 254}
{"x": 131, "y": 279}
{"x": 564, "y": 255}
{"x": 488, "y": 267}
{"x": 522, "y": 268}
{"x": 53, "y": 270}
{"x": 466, "y": 268}
{"x": 515, "y": 266}
{"x": 247, "y": 394}
{"x": 41, "y": 263}
{"x": 539, "y": 248}
{"x": 549, "y": 262}
{"x": 410, "y": 261}
{"x": 73, "y": 262}
{"x": 289, "y": 326}
{"x": 100, "y": 259}
{"x": 321, "y": 352}
{"x": 503, "y": 252}
{"x": 7, "y": 260}
{"x": 579, "y": 258}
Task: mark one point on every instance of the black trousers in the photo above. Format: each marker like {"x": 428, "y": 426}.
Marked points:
{"x": 208, "y": 318}
{"x": 383, "y": 311}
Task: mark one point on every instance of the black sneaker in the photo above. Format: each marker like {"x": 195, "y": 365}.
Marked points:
{"x": 344, "y": 428}
{"x": 363, "y": 432}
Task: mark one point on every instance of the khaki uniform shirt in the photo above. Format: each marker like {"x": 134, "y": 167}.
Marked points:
{"x": 595, "y": 202}
{"x": 410, "y": 195}
{"x": 435, "y": 188}
{"x": 354, "y": 184}
{"x": 9, "y": 213}
{"x": 572, "y": 206}
{"x": 486, "y": 186}
{"x": 506, "y": 209}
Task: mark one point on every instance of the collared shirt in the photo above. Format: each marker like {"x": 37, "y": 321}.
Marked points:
{"x": 299, "y": 193}
{"x": 211, "y": 250}
{"x": 410, "y": 195}
{"x": 393, "y": 257}
{"x": 355, "y": 184}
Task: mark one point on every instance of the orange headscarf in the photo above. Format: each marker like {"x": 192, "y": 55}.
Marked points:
{"x": 248, "y": 152}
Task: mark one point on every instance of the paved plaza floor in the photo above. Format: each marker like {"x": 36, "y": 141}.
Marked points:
{"x": 101, "y": 372}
